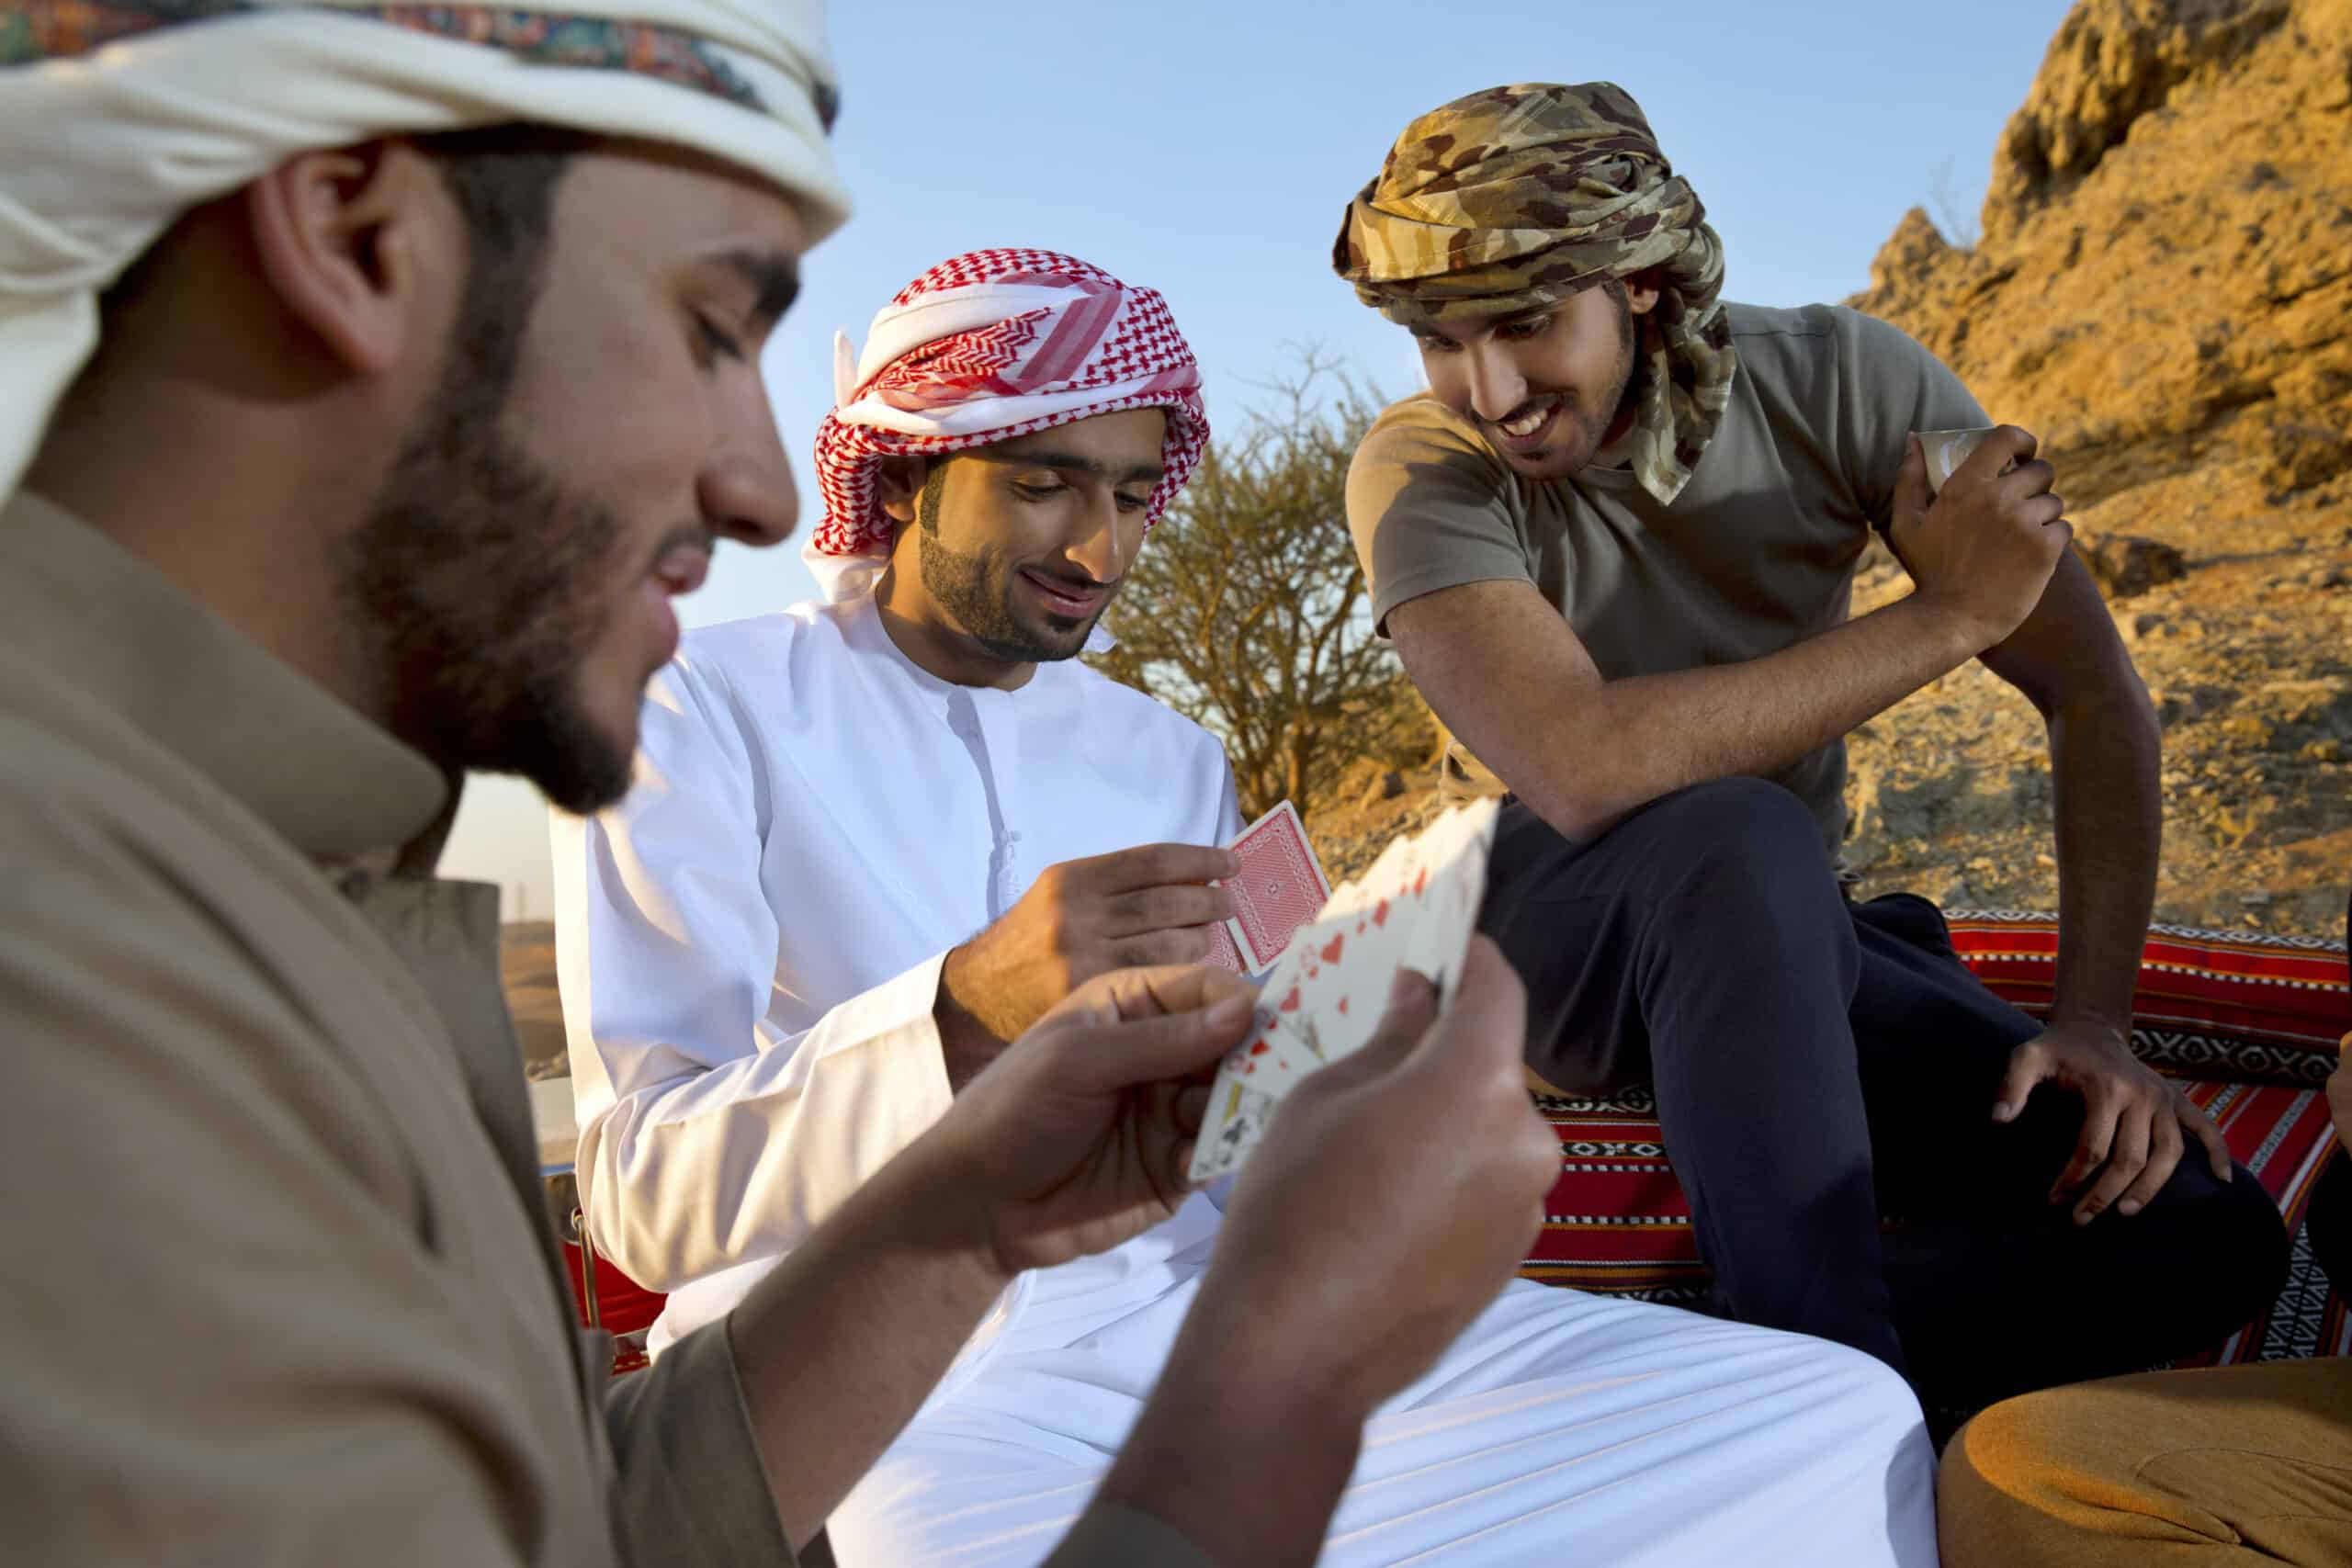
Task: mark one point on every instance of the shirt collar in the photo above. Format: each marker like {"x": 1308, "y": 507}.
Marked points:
{"x": 333, "y": 784}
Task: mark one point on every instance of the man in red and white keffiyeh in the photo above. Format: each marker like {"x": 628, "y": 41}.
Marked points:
{"x": 873, "y": 837}
{"x": 981, "y": 351}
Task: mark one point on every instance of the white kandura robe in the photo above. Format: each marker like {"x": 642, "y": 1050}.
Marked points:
{"x": 749, "y": 949}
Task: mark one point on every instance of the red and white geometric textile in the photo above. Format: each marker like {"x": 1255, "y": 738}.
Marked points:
{"x": 992, "y": 345}
{"x": 2249, "y": 1020}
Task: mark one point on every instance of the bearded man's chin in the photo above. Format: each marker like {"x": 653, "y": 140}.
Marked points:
{"x": 579, "y": 763}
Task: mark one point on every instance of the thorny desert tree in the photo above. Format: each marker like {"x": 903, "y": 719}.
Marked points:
{"x": 1247, "y": 612}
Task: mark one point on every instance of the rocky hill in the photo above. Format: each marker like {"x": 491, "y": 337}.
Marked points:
{"x": 2162, "y": 289}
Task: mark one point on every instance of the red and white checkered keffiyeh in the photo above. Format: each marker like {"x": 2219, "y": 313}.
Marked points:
{"x": 983, "y": 348}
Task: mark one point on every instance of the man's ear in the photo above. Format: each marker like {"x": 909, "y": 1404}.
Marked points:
{"x": 1641, "y": 291}
{"x": 352, "y": 241}
{"x": 897, "y": 482}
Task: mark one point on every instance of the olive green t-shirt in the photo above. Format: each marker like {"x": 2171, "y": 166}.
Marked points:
{"x": 1757, "y": 553}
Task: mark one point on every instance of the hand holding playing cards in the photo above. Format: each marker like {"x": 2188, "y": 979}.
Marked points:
{"x": 1393, "y": 1196}
{"x": 1076, "y": 1137}
{"x": 1082, "y": 919}
{"x": 1985, "y": 546}
{"x": 1411, "y": 1174}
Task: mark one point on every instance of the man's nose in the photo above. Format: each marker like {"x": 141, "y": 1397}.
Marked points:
{"x": 1496, "y": 386}
{"x": 1099, "y": 551}
{"x": 746, "y": 488}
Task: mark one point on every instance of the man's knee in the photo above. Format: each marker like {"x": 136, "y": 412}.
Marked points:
{"x": 1737, "y": 843}
{"x": 1757, "y": 816}
{"x": 1743, "y": 860}
{"x": 1745, "y": 826}
{"x": 2232, "y": 1228}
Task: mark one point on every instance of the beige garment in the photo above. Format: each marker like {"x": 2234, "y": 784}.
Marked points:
{"x": 1755, "y": 554}
{"x": 281, "y": 1287}
{"x": 2230, "y": 1465}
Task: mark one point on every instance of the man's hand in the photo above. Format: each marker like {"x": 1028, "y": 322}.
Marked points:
{"x": 1078, "y": 1135}
{"x": 1410, "y": 1175}
{"x": 1076, "y": 1139}
{"x": 1393, "y": 1196}
{"x": 1985, "y": 549}
{"x": 2132, "y": 1119}
{"x": 1082, "y": 919}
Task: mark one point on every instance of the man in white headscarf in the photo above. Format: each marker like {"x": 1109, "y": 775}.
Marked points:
{"x": 370, "y": 376}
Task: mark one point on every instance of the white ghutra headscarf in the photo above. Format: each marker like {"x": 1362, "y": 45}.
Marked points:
{"x": 118, "y": 116}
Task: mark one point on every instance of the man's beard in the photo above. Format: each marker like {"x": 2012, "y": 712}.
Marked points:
{"x": 1624, "y": 385}
{"x": 977, "y": 590}
{"x": 483, "y": 587}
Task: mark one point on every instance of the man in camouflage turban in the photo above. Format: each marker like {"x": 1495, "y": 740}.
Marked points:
{"x": 1568, "y": 191}
{"x": 1615, "y": 543}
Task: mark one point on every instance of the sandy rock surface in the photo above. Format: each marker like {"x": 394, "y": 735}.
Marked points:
{"x": 2162, "y": 292}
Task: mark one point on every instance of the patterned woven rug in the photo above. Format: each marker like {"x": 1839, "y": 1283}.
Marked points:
{"x": 2250, "y": 1020}
{"x": 1618, "y": 1224}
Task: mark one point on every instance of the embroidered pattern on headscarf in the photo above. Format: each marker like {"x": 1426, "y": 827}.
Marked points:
{"x": 57, "y": 30}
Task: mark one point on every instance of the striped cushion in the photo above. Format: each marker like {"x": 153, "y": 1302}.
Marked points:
{"x": 2251, "y": 1020}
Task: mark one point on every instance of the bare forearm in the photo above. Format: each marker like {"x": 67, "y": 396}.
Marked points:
{"x": 1242, "y": 1457}
{"x": 2104, "y": 756}
{"x": 838, "y": 1348}
{"x": 1619, "y": 745}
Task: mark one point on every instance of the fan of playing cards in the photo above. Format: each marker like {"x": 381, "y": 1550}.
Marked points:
{"x": 1415, "y": 908}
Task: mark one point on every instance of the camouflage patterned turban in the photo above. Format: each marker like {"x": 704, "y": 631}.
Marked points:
{"x": 1514, "y": 199}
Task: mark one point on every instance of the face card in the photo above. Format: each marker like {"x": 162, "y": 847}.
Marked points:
{"x": 1278, "y": 888}
{"x": 1272, "y": 1058}
{"x": 1236, "y": 1121}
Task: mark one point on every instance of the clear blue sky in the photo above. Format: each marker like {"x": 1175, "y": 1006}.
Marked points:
{"x": 1206, "y": 150}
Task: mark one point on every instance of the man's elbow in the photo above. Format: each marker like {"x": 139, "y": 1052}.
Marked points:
{"x": 620, "y": 1215}
{"x": 1578, "y": 813}
{"x": 2106, "y": 695}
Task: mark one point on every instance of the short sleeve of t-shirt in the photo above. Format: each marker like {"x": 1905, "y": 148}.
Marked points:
{"x": 1889, "y": 386}
{"x": 1431, "y": 507}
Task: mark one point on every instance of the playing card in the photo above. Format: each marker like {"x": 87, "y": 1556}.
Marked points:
{"x": 1327, "y": 989}
{"x": 1344, "y": 969}
{"x": 1415, "y": 910}
{"x": 1449, "y": 886}
{"x": 1237, "y": 1120}
{"x": 1277, "y": 889}
{"x": 1254, "y": 1075}
{"x": 1946, "y": 450}
{"x": 1222, "y": 953}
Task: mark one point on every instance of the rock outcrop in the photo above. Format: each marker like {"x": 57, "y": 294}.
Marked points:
{"x": 2165, "y": 276}
{"x": 2162, "y": 291}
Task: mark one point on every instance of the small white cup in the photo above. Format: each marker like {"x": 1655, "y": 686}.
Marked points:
{"x": 1946, "y": 450}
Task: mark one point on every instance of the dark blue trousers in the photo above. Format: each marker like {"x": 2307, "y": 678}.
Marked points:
{"x": 1820, "y": 1064}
